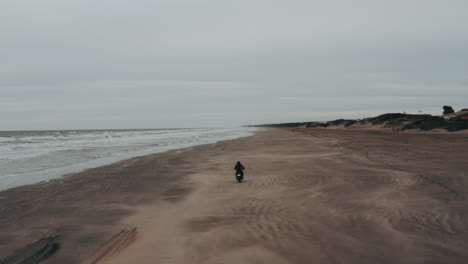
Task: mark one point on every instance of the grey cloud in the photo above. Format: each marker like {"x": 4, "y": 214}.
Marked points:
{"x": 173, "y": 63}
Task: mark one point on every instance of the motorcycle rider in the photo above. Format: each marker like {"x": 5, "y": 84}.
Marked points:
{"x": 239, "y": 169}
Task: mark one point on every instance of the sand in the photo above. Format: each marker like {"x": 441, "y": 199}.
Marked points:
{"x": 310, "y": 196}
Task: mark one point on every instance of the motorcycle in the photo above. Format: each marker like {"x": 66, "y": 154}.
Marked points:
{"x": 239, "y": 176}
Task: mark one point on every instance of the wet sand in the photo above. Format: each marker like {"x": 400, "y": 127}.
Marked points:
{"x": 312, "y": 196}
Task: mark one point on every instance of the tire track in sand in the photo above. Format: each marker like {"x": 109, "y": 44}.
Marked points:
{"x": 114, "y": 245}
{"x": 36, "y": 252}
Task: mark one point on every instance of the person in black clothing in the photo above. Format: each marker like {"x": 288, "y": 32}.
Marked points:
{"x": 239, "y": 168}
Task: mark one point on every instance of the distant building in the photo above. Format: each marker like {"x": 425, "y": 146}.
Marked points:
{"x": 460, "y": 115}
{"x": 449, "y": 116}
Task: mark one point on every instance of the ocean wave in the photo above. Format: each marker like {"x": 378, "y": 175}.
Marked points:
{"x": 49, "y": 154}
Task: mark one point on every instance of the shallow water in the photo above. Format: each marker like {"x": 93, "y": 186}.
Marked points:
{"x": 28, "y": 157}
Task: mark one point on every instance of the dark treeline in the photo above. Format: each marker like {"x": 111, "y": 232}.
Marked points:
{"x": 392, "y": 120}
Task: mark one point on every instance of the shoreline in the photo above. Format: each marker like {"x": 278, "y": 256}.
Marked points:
{"x": 109, "y": 187}
{"x": 45, "y": 175}
{"x": 318, "y": 195}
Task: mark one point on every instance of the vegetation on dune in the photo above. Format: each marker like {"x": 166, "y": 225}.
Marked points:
{"x": 350, "y": 123}
{"x": 386, "y": 118}
{"x": 402, "y": 121}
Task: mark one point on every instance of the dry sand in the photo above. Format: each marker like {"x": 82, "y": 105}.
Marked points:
{"x": 312, "y": 196}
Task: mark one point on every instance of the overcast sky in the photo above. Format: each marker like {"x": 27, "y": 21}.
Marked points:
{"x": 77, "y": 64}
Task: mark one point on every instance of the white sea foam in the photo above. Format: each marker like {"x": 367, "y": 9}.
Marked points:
{"x": 28, "y": 157}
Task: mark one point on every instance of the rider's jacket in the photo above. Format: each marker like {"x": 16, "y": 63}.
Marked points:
{"x": 239, "y": 167}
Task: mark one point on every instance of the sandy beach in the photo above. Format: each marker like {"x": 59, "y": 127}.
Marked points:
{"x": 310, "y": 196}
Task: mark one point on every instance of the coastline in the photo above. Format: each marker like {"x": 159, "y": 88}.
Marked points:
{"x": 94, "y": 200}
{"x": 84, "y": 158}
{"x": 317, "y": 195}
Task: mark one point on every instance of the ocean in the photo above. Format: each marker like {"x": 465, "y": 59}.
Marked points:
{"x": 28, "y": 157}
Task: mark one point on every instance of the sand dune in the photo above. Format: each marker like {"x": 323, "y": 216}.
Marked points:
{"x": 312, "y": 196}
